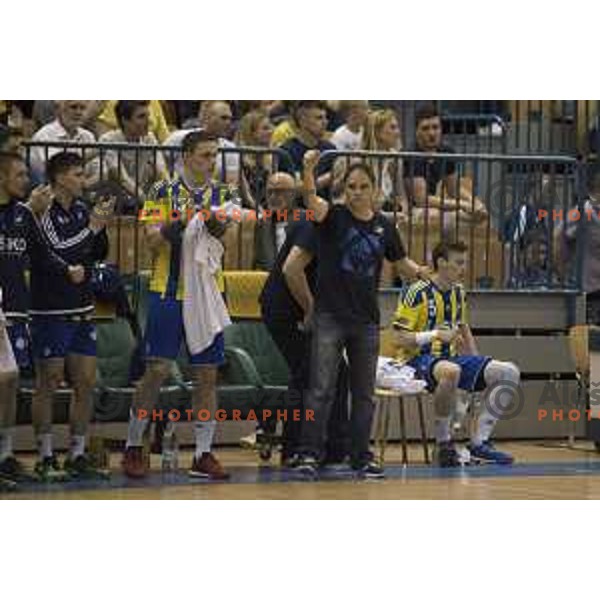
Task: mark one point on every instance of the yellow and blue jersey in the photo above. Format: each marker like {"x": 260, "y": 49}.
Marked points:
{"x": 166, "y": 197}
{"x": 424, "y": 307}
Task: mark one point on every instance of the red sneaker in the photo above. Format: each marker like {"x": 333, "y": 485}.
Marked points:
{"x": 208, "y": 467}
{"x": 134, "y": 465}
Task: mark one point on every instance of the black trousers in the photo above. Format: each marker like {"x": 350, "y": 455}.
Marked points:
{"x": 295, "y": 346}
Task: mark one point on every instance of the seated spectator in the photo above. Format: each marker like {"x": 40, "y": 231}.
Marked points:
{"x": 432, "y": 185}
{"x": 286, "y": 128}
{"x": 135, "y": 170}
{"x": 215, "y": 118}
{"x": 349, "y": 136}
{"x": 311, "y": 118}
{"x": 106, "y": 119}
{"x": 255, "y": 130}
{"x": 67, "y": 127}
{"x": 270, "y": 231}
{"x": 383, "y": 135}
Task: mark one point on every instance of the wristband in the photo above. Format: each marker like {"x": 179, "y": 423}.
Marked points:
{"x": 425, "y": 337}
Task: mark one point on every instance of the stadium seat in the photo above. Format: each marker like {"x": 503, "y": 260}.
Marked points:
{"x": 115, "y": 349}
{"x": 242, "y": 291}
{"x": 253, "y": 352}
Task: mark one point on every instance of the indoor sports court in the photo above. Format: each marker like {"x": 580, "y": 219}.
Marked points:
{"x": 299, "y": 299}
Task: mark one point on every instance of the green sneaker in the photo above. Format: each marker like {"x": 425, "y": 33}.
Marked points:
{"x": 83, "y": 467}
{"x": 47, "y": 470}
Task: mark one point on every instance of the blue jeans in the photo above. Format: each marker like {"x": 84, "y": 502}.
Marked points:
{"x": 295, "y": 346}
{"x": 330, "y": 339}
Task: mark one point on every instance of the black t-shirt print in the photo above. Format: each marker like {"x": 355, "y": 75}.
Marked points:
{"x": 350, "y": 258}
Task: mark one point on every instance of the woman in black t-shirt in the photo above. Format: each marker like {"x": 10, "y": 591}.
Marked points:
{"x": 353, "y": 241}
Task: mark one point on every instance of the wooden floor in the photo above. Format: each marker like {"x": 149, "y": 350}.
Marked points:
{"x": 415, "y": 482}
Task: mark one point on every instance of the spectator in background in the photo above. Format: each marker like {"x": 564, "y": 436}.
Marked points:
{"x": 271, "y": 232}
{"x": 433, "y": 185}
{"x": 215, "y": 118}
{"x": 107, "y": 119}
{"x": 135, "y": 170}
{"x": 383, "y": 135}
{"x": 287, "y": 128}
{"x": 349, "y": 136}
{"x": 67, "y": 127}
{"x": 255, "y": 130}
{"x": 311, "y": 118}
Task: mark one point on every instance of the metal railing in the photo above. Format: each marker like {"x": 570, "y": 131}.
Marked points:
{"x": 510, "y": 248}
{"x": 513, "y": 243}
{"x": 553, "y": 127}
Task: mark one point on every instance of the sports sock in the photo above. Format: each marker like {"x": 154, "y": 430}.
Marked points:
{"x": 204, "y": 432}
{"x": 77, "y": 445}
{"x": 6, "y": 442}
{"x": 45, "y": 445}
{"x": 442, "y": 429}
{"x": 136, "y": 429}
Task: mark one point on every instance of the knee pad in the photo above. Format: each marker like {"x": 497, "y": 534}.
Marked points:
{"x": 498, "y": 371}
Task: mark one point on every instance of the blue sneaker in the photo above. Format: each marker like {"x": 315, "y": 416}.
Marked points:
{"x": 486, "y": 452}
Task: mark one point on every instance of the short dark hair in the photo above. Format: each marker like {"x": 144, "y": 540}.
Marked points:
{"x": 7, "y": 159}
{"x": 125, "y": 108}
{"x": 60, "y": 163}
{"x": 429, "y": 110}
{"x": 445, "y": 247}
{"x": 193, "y": 139}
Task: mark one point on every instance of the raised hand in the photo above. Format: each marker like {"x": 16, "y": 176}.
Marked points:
{"x": 76, "y": 274}
{"x": 40, "y": 199}
{"x": 311, "y": 160}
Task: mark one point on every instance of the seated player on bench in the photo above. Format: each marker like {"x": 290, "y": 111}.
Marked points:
{"x": 434, "y": 338}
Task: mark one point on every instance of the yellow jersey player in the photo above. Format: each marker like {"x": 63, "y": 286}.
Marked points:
{"x": 433, "y": 337}
{"x": 166, "y": 215}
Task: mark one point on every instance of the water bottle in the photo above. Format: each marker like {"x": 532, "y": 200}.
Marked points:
{"x": 170, "y": 450}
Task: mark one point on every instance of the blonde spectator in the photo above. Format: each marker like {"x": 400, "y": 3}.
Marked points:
{"x": 349, "y": 136}
{"x": 255, "y": 130}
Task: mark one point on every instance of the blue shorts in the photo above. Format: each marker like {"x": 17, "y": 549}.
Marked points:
{"x": 471, "y": 370}
{"x": 57, "y": 337}
{"x": 20, "y": 340}
{"x": 165, "y": 334}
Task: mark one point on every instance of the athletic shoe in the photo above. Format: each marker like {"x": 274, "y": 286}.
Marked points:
{"x": 48, "y": 470}
{"x": 208, "y": 467}
{"x": 13, "y": 470}
{"x": 486, "y": 452}
{"x": 445, "y": 455}
{"x": 307, "y": 466}
{"x": 134, "y": 462}
{"x": 82, "y": 467}
{"x": 289, "y": 461}
{"x": 370, "y": 469}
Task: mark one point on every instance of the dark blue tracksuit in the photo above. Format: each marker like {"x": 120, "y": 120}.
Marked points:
{"x": 21, "y": 245}
{"x": 61, "y": 310}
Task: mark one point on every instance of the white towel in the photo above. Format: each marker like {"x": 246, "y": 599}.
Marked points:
{"x": 397, "y": 376}
{"x": 204, "y": 312}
